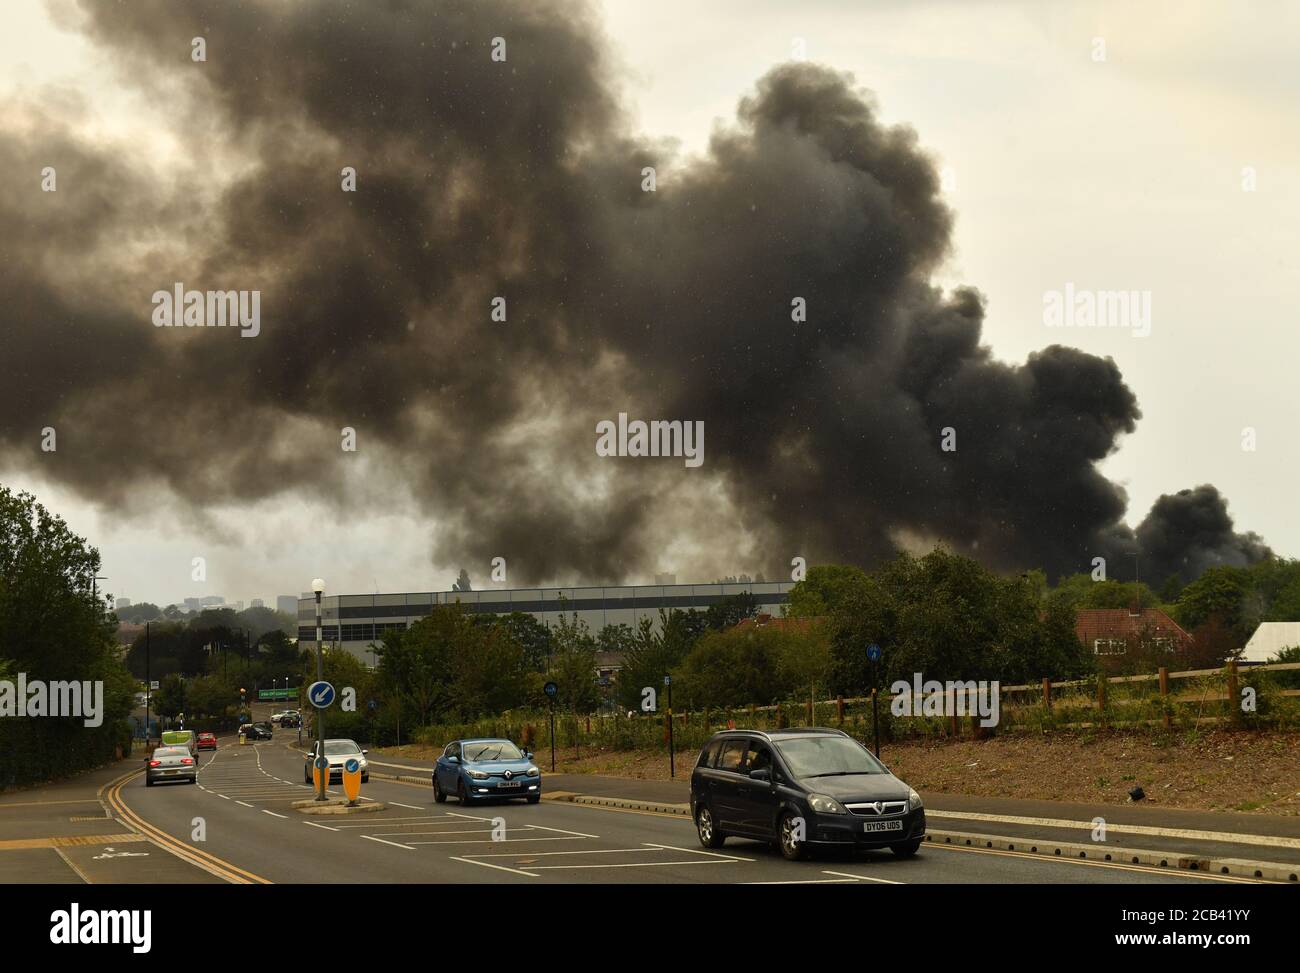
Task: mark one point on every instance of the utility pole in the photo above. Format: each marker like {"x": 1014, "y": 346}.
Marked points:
{"x": 148, "y": 685}
{"x": 318, "y": 586}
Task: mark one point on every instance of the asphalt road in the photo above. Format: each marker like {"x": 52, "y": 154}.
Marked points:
{"x": 242, "y": 808}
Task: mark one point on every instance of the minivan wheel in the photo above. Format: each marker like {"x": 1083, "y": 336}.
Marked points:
{"x": 710, "y": 837}
{"x": 791, "y": 849}
{"x": 907, "y": 849}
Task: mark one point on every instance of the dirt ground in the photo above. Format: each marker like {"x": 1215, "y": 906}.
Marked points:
{"x": 1215, "y": 770}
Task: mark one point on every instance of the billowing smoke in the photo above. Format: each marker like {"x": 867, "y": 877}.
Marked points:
{"x": 1190, "y": 531}
{"x": 520, "y": 178}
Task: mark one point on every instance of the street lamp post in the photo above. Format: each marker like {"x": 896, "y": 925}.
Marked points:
{"x": 318, "y": 585}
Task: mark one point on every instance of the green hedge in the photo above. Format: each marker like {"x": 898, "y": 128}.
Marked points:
{"x": 33, "y": 751}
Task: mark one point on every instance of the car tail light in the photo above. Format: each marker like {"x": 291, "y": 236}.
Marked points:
{"x": 187, "y": 760}
{"x": 155, "y": 763}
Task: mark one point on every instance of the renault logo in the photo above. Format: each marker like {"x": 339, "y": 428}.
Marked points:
{"x": 508, "y": 775}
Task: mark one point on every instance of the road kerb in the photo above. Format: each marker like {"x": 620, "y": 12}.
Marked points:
{"x": 1099, "y": 852}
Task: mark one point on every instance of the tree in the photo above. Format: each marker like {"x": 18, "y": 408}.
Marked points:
{"x": 54, "y": 627}
{"x": 416, "y": 663}
{"x": 533, "y": 637}
{"x": 143, "y": 612}
{"x": 826, "y": 588}
{"x": 730, "y": 611}
{"x": 573, "y": 665}
{"x": 1218, "y": 591}
{"x": 169, "y": 700}
{"x": 734, "y": 667}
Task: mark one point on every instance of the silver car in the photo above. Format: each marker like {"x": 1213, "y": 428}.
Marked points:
{"x": 337, "y": 752}
{"x": 171, "y": 763}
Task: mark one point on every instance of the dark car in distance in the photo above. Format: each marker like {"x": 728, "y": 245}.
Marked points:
{"x": 256, "y": 731}
{"x": 802, "y": 788}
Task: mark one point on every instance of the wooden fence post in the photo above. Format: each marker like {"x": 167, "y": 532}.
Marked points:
{"x": 1234, "y": 697}
{"x": 1101, "y": 699}
{"x": 839, "y": 708}
{"x": 1164, "y": 694}
{"x": 952, "y": 715}
{"x": 1047, "y": 693}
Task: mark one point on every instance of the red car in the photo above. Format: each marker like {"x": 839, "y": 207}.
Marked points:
{"x": 207, "y": 741}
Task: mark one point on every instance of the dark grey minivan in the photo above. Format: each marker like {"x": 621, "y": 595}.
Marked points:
{"x": 800, "y": 788}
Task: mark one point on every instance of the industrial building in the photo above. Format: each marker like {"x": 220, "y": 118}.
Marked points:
{"x": 355, "y": 621}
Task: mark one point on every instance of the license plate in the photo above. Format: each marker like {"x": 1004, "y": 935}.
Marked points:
{"x": 169, "y": 771}
{"x": 882, "y": 825}
{"x": 509, "y": 783}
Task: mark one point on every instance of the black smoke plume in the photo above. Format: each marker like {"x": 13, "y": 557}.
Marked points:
{"x": 480, "y": 178}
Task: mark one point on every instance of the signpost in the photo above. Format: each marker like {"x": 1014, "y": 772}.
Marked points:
{"x": 551, "y": 690}
{"x": 321, "y": 695}
{"x": 873, "y": 653}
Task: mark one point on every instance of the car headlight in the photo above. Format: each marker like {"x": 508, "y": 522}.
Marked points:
{"x": 913, "y": 800}
{"x": 824, "y": 804}
{"x": 478, "y": 775}
{"x": 534, "y": 772}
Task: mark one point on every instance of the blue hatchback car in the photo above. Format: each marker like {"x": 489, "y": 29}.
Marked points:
{"x": 475, "y": 770}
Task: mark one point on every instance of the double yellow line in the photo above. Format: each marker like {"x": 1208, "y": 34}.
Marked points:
{"x": 112, "y": 796}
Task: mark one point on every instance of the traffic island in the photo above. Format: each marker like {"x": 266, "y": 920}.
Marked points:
{"x": 337, "y": 805}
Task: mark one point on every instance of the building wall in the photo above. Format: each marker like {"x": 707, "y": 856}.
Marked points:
{"x": 355, "y": 621}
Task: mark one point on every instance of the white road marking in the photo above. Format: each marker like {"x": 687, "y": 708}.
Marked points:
{"x": 411, "y": 807}
{"x": 489, "y": 841}
{"x": 273, "y": 814}
{"x": 382, "y": 841}
{"x": 863, "y": 878}
{"x": 540, "y": 854}
{"x": 502, "y": 868}
{"x": 313, "y": 824}
{"x": 562, "y": 831}
{"x": 693, "y": 861}
{"x": 245, "y": 803}
{"x": 696, "y": 851}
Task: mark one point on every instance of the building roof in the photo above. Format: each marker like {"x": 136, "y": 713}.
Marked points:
{"x": 1125, "y": 623}
{"x": 1270, "y": 639}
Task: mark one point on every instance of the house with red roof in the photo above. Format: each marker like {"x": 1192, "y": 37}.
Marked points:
{"x": 1119, "y": 631}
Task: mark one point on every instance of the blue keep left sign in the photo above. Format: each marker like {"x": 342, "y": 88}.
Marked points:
{"x": 321, "y": 694}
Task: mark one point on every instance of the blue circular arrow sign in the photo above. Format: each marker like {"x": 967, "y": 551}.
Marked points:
{"x": 321, "y": 694}
{"x": 551, "y": 689}
{"x": 352, "y": 766}
{"x": 873, "y": 652}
